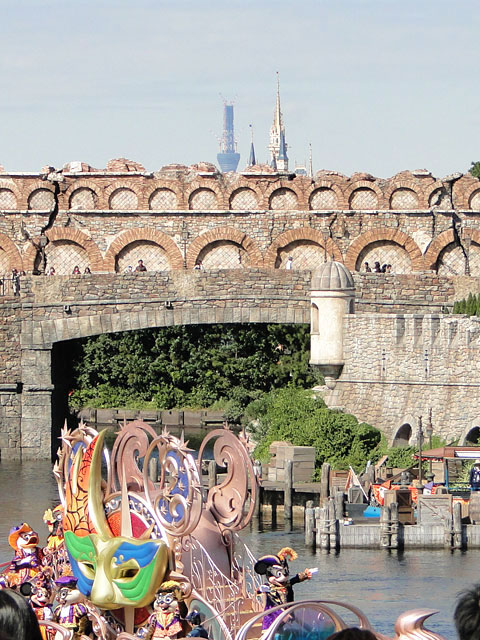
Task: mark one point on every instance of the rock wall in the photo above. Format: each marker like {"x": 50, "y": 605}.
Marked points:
{"x": 399, "y": 366}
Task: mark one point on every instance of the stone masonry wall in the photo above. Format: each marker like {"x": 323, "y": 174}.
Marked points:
{"x": 398, "y": 366}
{"x": 106, "y": 219}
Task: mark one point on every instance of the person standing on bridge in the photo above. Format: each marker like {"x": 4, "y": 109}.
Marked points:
{"x": 140, "y": 266}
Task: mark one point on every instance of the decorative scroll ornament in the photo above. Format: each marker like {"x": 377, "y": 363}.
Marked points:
{"x": 227, "y": 501}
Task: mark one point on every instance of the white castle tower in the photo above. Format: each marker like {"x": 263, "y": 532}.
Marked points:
{"x": 278, "y": 146}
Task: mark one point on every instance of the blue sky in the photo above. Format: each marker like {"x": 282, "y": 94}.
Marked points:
{"x": 374, "y": 85}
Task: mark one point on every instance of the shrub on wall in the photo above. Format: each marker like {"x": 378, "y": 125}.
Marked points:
{"x": 295, "y": 415}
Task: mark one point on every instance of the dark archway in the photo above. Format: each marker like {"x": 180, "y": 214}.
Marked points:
{"x": 473, "y": 436}
{"x": 403, "y": 436}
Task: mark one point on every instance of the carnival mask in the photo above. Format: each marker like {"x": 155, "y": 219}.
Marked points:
{"x": 119, "y": 571}
{"x": 112, "y": 571}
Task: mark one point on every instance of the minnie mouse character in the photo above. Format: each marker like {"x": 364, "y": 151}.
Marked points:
{"x": 279, "y": 589}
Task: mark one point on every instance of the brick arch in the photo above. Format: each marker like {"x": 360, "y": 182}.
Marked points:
{"x": 301, "y": 233}
{"x": 85, "y": 184}
{"x": 365, "y": 184}
{"x": 242, "y": 188}
{"x": 442, "y": 241}
{"x": 72, "y": 235}
{"x": 282, "y": 184}
{"x": 228, "y": 234}
{"x": 163, "y": 184}
{"x": 122, "y": 184}
{"x": 390, "y": 235}
{"x": 327, "y": 184}
{"x": 467, "y": 195}
{"x": 404, "y": 184}
{"x": 219, "y": 199}
{"x": 5, "y": 184}
{"x": 149, "y": 235}
{"x": 436, "y": 247}
{"x": 438, "y": 184}
{"x": 35, "y": 186}
{"x": 13, "y": 254}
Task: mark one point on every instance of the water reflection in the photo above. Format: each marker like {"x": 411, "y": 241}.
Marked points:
{"x": 383, "y": 584}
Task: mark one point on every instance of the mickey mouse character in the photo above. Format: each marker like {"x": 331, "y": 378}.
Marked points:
{"x": 279, "y": 589}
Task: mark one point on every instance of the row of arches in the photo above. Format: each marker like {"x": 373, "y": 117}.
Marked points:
{"x": 230, "y": 248}
{"x": 321, "y": 196}
{"x": 405, "y": 436}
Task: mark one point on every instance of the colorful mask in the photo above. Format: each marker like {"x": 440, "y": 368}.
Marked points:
{"x": 112, "y": 571}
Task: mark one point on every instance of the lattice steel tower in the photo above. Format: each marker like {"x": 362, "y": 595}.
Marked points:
{"x": 228, "y": 158}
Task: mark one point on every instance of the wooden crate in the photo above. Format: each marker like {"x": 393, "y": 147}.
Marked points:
{"x": 303, "y": 459}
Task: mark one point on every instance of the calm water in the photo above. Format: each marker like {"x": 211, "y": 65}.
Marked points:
{"x": 381, "y": 583}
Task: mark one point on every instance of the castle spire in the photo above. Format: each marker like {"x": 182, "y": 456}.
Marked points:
{"x": 277, "y": 131}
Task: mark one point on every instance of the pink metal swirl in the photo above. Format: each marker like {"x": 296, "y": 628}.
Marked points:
{"x": 129, "y": 448}
{"x": 227, "y": 500}
{"x": 409, "y": 626}
{"x": 176, "y": 498}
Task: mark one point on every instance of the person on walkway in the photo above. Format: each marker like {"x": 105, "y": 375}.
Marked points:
{"x": 367, "y": 268}
{"x": 140, "y": 266}
{"x": 76, "y": 270}
{"x": 474, "y": 479}
{"x": 289, "y": 263}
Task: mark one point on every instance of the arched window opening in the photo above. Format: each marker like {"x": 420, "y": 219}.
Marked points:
{"x": 403, "y": 436}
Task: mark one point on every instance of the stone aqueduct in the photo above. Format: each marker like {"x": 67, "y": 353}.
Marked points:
{"x": 242, "y": 227}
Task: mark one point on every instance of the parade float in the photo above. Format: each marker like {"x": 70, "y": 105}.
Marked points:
{"x": 140, "y": 548}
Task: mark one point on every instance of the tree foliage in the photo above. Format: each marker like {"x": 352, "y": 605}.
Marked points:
{"x": 475, "y": 169}
{"x": 226, "y": 366}
{"x": 469, "y": 305}
{"x": 295, "y": 415}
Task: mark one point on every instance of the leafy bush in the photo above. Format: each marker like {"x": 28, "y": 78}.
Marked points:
{"x": 295, "y": 415}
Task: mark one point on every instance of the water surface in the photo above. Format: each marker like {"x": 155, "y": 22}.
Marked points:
{"x": 381, "y": 583}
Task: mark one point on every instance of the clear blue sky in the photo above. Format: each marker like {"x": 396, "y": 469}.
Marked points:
{"x": 374, "y": 85}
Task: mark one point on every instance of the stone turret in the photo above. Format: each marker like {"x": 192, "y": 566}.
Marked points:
{"x": 332, "y": 298}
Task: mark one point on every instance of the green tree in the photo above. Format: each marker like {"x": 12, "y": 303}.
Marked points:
{"x": 295, "y": 415}
{"x": 198, "y": 366}
{"x": 475, "y": 169}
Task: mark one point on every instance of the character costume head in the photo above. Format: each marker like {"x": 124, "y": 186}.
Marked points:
{"x": 112, "y": 571}
{"x": 168, "y": 596}
{"x": 275, "y": 567}
{"x": 22, "y": 537}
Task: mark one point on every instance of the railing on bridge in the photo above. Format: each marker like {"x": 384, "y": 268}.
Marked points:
{"x": 10, "y": 286}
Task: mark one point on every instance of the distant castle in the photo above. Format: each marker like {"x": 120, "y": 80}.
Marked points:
{"x": 228, "y": 158}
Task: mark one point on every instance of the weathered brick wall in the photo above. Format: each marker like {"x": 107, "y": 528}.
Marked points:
{"x": 398, "y": 366}
{"x": 105, "y": 219}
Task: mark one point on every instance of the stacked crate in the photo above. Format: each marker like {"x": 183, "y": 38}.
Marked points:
{"x": 303, "y": 459}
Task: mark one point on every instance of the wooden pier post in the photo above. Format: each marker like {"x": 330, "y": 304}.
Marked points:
{"x": 332, "y": 524}
{"x": 323, "y": 528}
{"x": 457, "y": 526}
{"x": 212, "y": 474}
{"x": 318, "y": 527}
{"x": 153, "y": 469}
{"x": 288, "y": 492}
{"x": 339, "y": 504}
{"x": 309, "y": 524}
{"x": 394, "y": 526}
{"x": 385, "y": 527}
{"x": 324, "y": 484}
